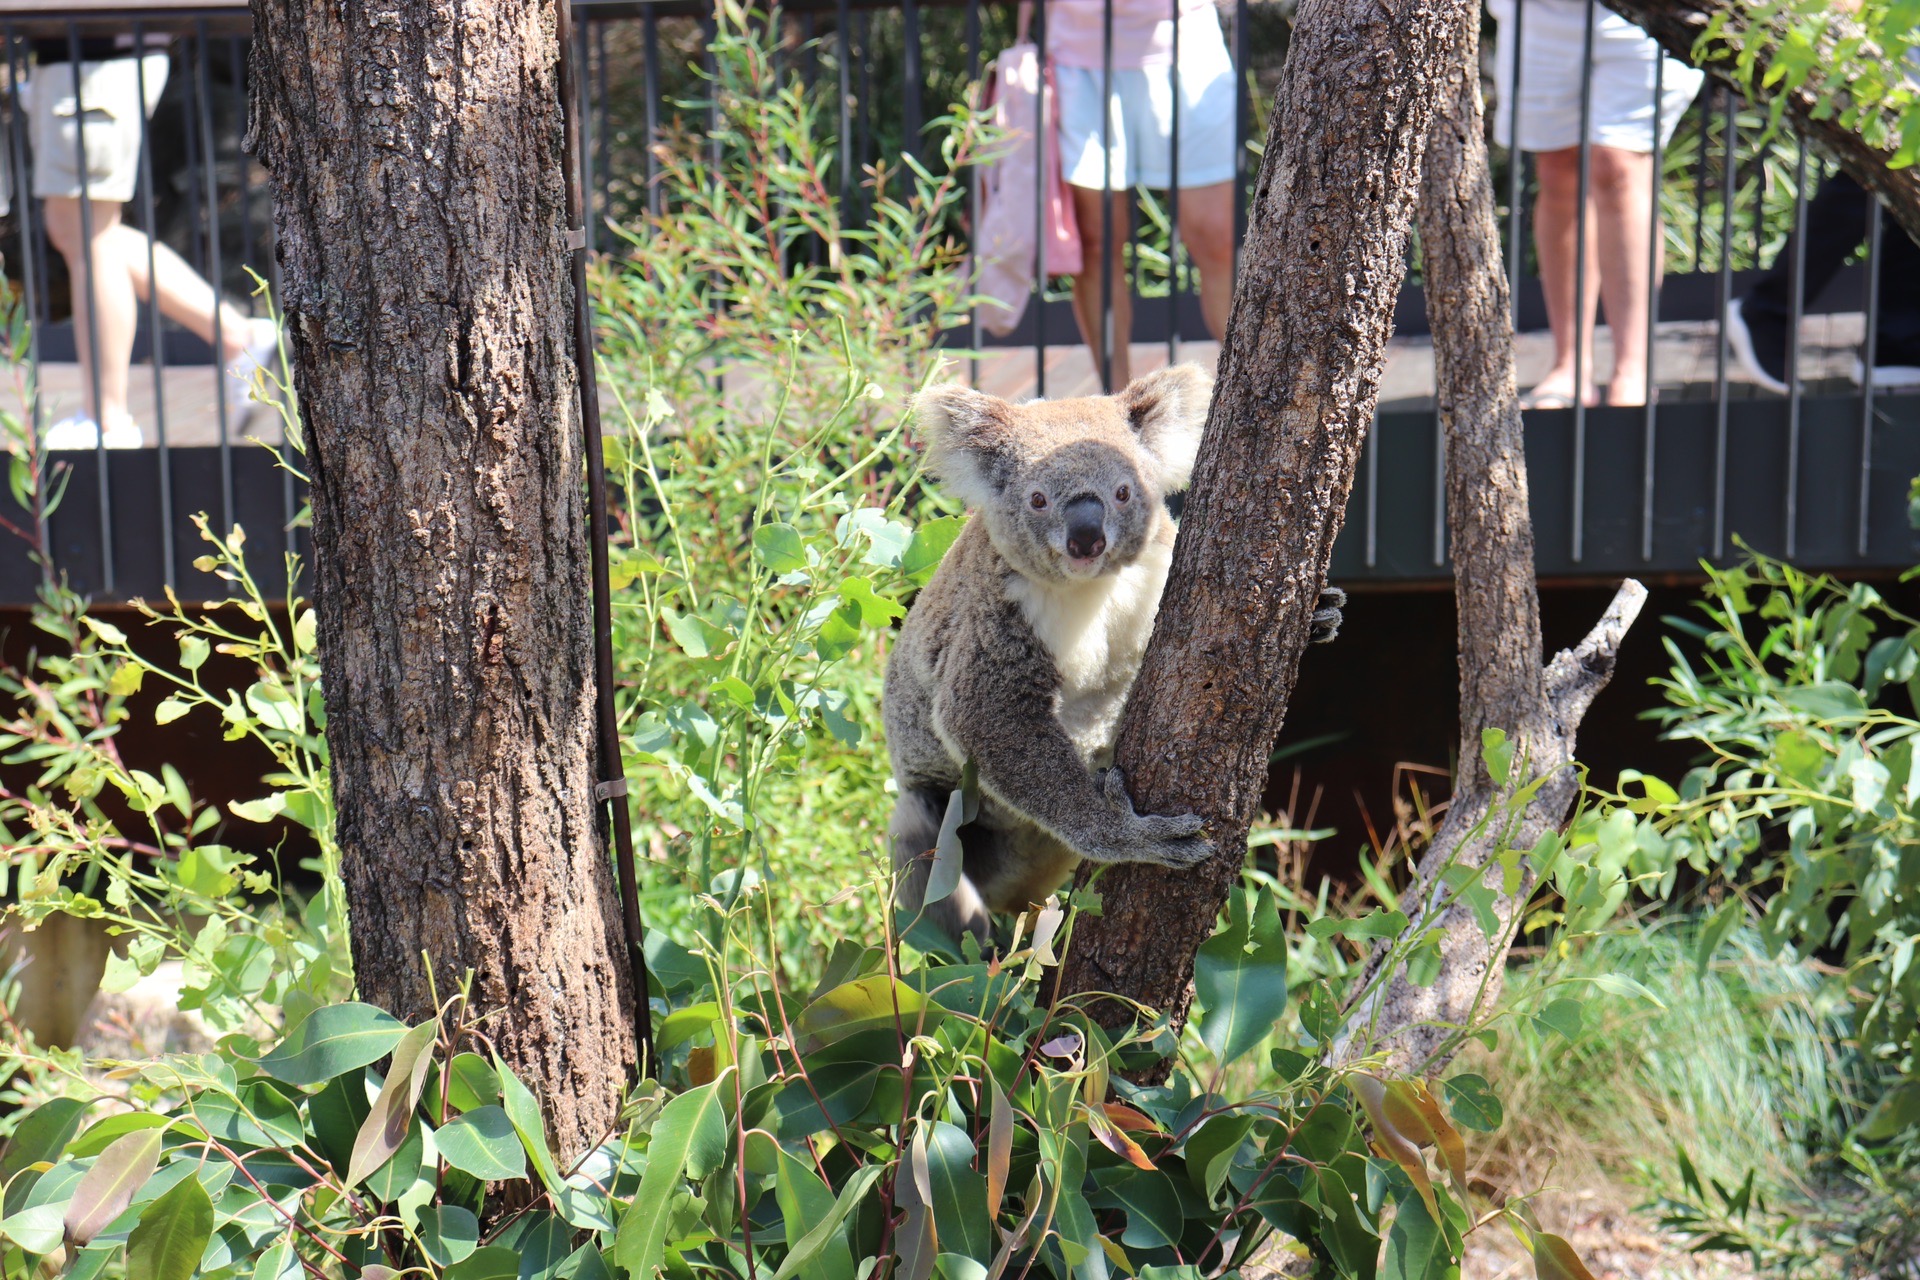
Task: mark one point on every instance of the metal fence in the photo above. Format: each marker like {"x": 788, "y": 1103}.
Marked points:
{"x": 1816, "y": 469}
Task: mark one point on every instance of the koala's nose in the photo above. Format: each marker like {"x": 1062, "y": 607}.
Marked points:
{"x": 1086, "y": 527}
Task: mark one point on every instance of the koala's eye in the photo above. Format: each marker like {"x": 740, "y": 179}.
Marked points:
{"x": 1038, "y": 501}
{"x": 1122, "y": 494}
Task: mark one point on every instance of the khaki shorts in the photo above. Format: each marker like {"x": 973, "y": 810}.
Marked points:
{"x": 109, "y": 95}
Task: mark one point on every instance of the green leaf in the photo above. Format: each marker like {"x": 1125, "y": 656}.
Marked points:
{"x": 1473, "y": 1103}
{"x": 1497, "y": 753}
{"x": 495, "y": 1262}
{"x": 1209, "y": 1151}
{"x": 805, "y": 1201}
{"x": 43, "y": 1133}
{"x": 524, "y": 1112}
{"x": 385, "y": 1127}
{"x": 483, "y": 1142}
{"x": 1240, "y": 975}
{"x": 105, "y": 1190}
{"x": 1554, "y": 1259}
{"x": 689, "y": 1140}
{"x": 36, "y": 1230}
{"x": 1619, "y": 984}
{"x": 1896, "y": 1111}
{"x": 278, "y": 1261}
{"x": 959, "y": 1194}
{"x": 875, "y": 610}
{"x": 929, "y": 547}
{"x": 472, "y": 1083}
{"x": 696, "y": 637}
{"x": 814, "y": 1243}
{"x": 1378, "y": 923}
{"x": 335, "y": 1115}
{"x": 98, "y": 1136}
{"x": 1417, "y": 1248}
{"x": 1828, "y": 700}
{"x": 1562, "y": 1015}
{"x": 333, "y": 1040}
{"x": 1154, "y": 1216}
{"x": 877, "y": 1000}
{"x": 449, "y": 1233}
{"x": 171, "y": 1234}
{"x": 780, "y": 547}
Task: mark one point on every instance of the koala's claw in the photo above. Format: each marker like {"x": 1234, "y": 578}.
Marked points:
{"x": 1327, "y": 617}
{"x": 1167, "y": 840}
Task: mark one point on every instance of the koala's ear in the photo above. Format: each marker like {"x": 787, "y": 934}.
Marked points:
{"x": 1167, "y": 410}
{"x": 968, "y": 441}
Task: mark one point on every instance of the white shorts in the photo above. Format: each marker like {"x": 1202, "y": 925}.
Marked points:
{"x": 109, "y": 94}
{"x": 1552, "y": 37}
{"x": 1139, "y": 133}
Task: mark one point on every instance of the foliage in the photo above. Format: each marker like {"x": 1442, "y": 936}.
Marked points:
{"x": 1803, "y": 812}
{"x": 1853, "y": 60}
{"x": 762, "y": 352}
{"x": 936, "y": 1117}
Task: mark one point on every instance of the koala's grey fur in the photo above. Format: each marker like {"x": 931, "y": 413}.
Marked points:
{"x": 1020, "y": 657}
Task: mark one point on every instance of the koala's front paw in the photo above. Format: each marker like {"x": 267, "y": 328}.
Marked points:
{"x": 1327, "y": 617}
{"x": 1169, "y": 840}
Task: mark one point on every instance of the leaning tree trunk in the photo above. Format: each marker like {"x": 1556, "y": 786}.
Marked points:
{"x": 1502, "y": 684}
{"x": 1299, "y": 373}
{"x": 415, "y": 148}
{"x": 1678, "y": 25}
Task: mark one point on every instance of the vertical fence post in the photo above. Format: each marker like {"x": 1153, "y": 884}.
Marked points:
{"x": 89, "y": 290}
{"x": 203, "y": 110}
{"x": 1869, "y": 343}
{"x": 1797, "y": 306}
{"x": 1729, "y": 131}
{"x": 156, "y": 332}
{"x": 1581, "y": 334}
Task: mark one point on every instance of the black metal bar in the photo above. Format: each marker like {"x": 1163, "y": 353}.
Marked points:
{"x": 610, "y": 797}
{"x": 1372, "y": 446}
{"x": 863, "y": 122}
{"x": 1797, "y": 301}
{"x": 1242, "y": 120}
{"x": 843, "y": 50}
{"x": 910, "y": 73}
{"x": 1173, "y": 195}
{"x": 1580, "y": 334}
{"x": 1516, "y": 174}
{"x": 1869, "y": 344}
{"x": 605, "y": 101}
{"x": 203, "y": 104}
{"x": 582, "y": 55}
{"x": 156, "y": 335}
{"x": 235, "y": 62}
{"x": 1656, "y": 252}
{"x": 1043, "y": 138}
{"x": 651, "y": 75}
{"x": 1728, "y": 131}
{"x": 1107, "y": 335}
{"x": 970, "y": 34}
{"x": 76, "y": 67}
{"x": 31, "y": 266}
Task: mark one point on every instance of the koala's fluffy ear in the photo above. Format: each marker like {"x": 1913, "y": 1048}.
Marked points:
{"x": 1167, "y": 411}
{"x": 968, "y": 441}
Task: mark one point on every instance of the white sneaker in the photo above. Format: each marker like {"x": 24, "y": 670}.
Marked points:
{"x": 239, "y": 384}
{"x": 81, "y": 432}
{"x": 1887, "y": 377}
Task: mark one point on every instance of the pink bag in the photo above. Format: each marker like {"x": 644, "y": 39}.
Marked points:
{"x": 1006, "y": 235}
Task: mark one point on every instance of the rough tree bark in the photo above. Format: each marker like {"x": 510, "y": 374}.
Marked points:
{"x": 1298, "y": 378}
{"x": 1678, "y": 24}
{"x": 415, "y": 148}
{"x": 1502, "y": 683}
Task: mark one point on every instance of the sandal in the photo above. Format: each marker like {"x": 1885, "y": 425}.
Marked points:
{"x": 1538, "y": 399}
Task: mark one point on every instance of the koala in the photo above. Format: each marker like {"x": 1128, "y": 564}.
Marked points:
{"x": 1020, "y": 653}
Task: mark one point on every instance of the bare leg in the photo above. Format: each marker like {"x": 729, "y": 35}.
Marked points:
{"x": 1206, "y": 228}
{"x": 1556, "y": 219}
{"x": 1622, "y": 225}
{"x": 105, "y": 308}
{"x": 1087, "y": 303}
{"x": 185, "y": 297}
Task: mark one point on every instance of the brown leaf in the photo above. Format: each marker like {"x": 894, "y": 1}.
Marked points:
{"x": 1554, "y": 1259}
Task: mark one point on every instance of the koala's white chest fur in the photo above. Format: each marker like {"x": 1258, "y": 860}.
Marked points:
{"x": 1097, "y": 631}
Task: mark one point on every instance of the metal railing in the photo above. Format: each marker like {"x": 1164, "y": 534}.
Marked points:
{"x": 1716, "y": 194}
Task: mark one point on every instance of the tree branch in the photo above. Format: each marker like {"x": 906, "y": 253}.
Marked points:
{"x": 1678, "y": 26}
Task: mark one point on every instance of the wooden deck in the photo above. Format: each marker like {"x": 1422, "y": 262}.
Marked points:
{"x": 1684, "y": 361}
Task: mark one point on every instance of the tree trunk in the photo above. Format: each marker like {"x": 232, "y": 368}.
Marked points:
{"x": 1678, "y": 24}
{"x": 415, "y": 148}
{"x": 1299, "y": 373}
{"x": 1502, "y": 685}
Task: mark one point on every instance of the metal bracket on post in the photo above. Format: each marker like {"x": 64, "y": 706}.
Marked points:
{"x": 609, "y": 793}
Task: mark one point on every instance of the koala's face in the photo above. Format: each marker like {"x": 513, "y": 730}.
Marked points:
{"x": 1080, "y": 511}
{"x": 1070, "y": 489}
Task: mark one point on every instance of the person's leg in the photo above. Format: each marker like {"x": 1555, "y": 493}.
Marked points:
{"x": 1088, "y": 304}
{"x": 1623, "y": 227}
{"x": 185, "y": 297}
{"x": 105, "y": 308}
{"x": 1556, "y": 222}
{"x": 1206, "y": 228}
